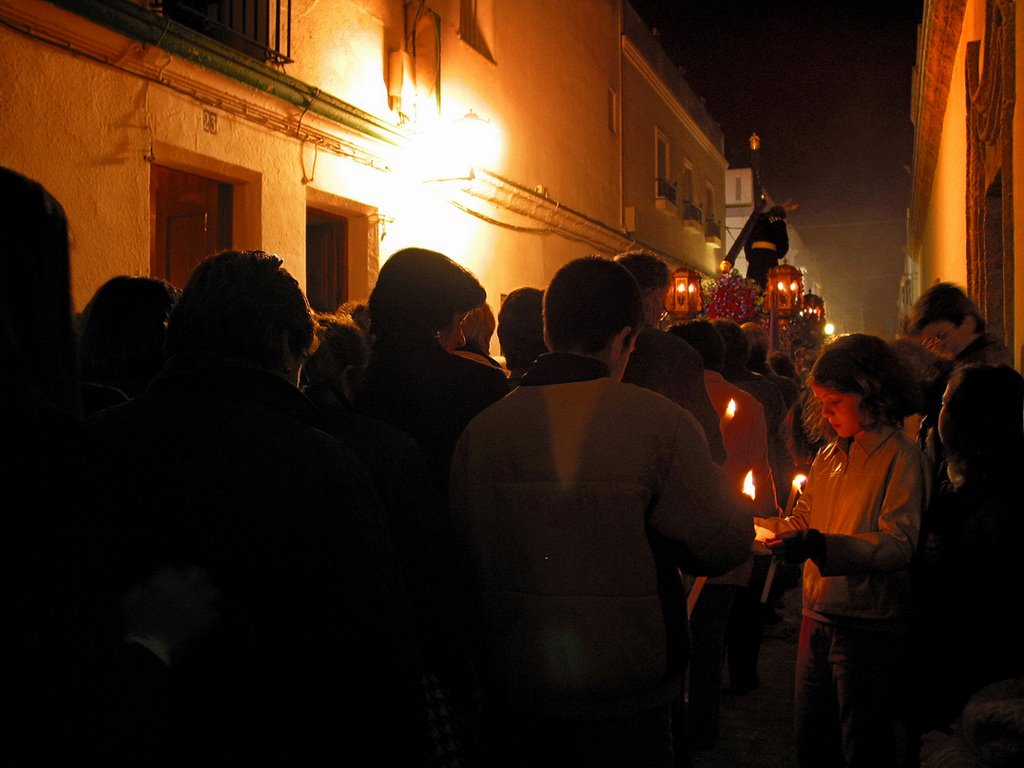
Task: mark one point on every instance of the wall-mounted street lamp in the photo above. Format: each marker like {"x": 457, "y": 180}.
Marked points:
{"x": 454, "y": 148}
{"x": 474, "y": 142}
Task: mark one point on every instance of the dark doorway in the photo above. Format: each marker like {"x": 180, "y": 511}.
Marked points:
{"x": 326, "y": 260}
{"x": 190, "y": 219}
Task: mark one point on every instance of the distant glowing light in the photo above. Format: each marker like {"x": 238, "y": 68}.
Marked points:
{"x": 830, "y": 328}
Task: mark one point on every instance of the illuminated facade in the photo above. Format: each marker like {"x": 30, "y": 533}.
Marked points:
{"x": 966, "y": 221}
{"x": 335, "y": 139}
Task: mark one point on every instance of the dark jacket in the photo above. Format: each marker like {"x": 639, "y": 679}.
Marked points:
{"x": 418, "y": 522}
{"x": 768, "y": 231}
{"x": 671, "y": 367}
{"x": 218, "y": 465}
{"x": 987, "y": 349}
{"x": 429, "y": 394}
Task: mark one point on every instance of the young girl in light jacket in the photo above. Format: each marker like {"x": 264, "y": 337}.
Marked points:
{"x": 856, "y": 525}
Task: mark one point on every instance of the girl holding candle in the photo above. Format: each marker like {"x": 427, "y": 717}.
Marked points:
{"x": 857, "y": 523}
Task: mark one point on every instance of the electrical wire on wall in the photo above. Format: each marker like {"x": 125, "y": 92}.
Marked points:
{"x": 306, "y": 179}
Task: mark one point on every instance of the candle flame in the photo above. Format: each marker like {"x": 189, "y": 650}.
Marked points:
{"x": 798, "y": 482}
{"x": 748, "y": 485}
{"x": 730, "y": 409}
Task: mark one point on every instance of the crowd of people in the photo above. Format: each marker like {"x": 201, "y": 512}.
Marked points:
{"x": 259, "y": 532}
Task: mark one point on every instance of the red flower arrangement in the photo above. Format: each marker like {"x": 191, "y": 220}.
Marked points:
{"x": 732, "y": 297}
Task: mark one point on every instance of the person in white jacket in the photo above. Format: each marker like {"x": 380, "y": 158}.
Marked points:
{"x": 578, "y": 499}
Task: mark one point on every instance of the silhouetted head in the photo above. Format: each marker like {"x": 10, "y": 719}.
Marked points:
{"x": 652, "y": 277}
{"x": 124, "y": 328}
{"x": 478, "y": 327}
{"x": 737, "y": 346}
{"x": 38, "y": 347}
{"x": 243, "y": 305}
{"x": 783, "y": 365}
{"x": 340, "y": 356}
{"x": 757, "y": 339}
{"x": 418, "y": 292}
{"x": 705, "y": 338}
{"x": 521, "y": 327}
{"x": 589, "y": 301}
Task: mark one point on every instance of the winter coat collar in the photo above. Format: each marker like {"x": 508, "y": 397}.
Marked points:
{"x": 563, "y": 368}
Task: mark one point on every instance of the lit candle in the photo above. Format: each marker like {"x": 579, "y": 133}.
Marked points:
{"x": 730, "y": 409}
{"x": 748, "y": 485}
{"x": 794, "y": 492}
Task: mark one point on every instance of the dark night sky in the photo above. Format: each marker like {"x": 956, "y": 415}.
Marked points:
{"x": 826, "y": 85}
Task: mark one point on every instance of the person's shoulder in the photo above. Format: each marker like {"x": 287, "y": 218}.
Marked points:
{"x": 667, "y": 341}
{"x": 649, "y": 406}
{"x": 987, "y": 349}
{"x": 747, "y": 400}
{"x": 662, "y": 350}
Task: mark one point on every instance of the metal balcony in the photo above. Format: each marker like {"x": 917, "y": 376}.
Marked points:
{"x": 258, "y": 28}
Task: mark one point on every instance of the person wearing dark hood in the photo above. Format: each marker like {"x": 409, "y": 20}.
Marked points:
{"x": 767, "y": 245}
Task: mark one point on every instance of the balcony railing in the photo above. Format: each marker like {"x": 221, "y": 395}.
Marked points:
{"x": 258, "y": 28}
{"x": 693, "y": 217}
{"x": 713, "y": 232}
{"x": 692, "y": 212}
{"x": 666, "y": 189}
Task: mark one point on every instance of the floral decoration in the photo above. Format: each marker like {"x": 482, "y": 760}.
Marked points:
{"x": 733, "y": 297}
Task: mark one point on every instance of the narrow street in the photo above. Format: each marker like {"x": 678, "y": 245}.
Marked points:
{"x": 757, "y": 727}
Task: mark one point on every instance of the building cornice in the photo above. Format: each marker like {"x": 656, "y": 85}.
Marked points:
{"x": 635, "y": 57}
{"x": 938, "y": 41}
{"x": 152, "y": 29}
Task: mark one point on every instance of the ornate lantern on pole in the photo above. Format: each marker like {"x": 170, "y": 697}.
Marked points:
{"x": 814, "y": 310}
{"x": 784, "y": 298}
{"x": 684, "y": 301}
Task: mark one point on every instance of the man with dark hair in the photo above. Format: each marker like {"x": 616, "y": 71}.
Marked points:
{"x": 665, "y": 363}
{"x": 946, "y": 321}
{"x": 219, "y": 464}
{"x": 578, "y": 497}
{"x": 951, "y": 325}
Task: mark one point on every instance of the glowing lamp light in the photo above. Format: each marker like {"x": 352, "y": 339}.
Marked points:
{"x": 813, "y": 308}
{"x": 829, "y": 329}
{"x": 730, "y": 409}
{"x": 450, "y": 150}
{"x": 476, "y": 139}
{"x": 684, "y": 300}
{"x": 785, "y": 290}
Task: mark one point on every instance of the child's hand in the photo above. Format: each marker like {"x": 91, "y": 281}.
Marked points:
{"x": 793, "y": 547}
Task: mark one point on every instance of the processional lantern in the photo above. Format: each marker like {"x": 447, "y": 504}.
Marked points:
{"x": 813, "y": 308}
{"x": 683, "y": 301}
{"x": 785, "y": 290}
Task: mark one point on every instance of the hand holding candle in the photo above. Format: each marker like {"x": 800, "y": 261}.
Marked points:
{"x": 794, "y": 493}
